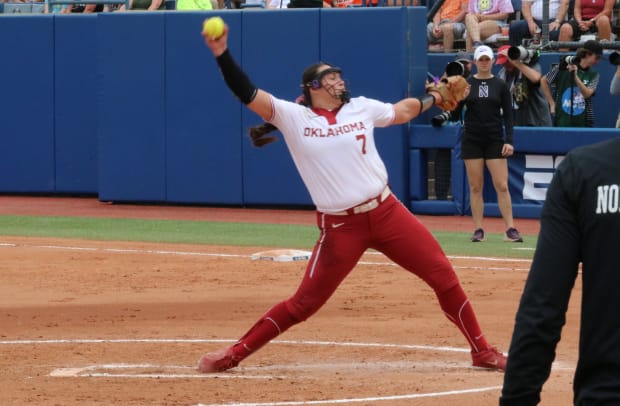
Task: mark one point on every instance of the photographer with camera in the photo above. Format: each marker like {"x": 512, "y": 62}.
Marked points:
{"x": 575, "y": 83}
{"x": 521, "y": 72}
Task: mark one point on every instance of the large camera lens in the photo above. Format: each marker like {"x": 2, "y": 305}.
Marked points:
{"x": 440, "y": 119}
{"x": 517, "y": 53}
{"x": 520, "y": 53}
{"x": 572, "y": 60}
{"x": 455, "y": 69}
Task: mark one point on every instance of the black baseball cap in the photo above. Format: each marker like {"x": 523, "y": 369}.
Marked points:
{"x": 593, "y": 46}
{"x": 462, "y": 56}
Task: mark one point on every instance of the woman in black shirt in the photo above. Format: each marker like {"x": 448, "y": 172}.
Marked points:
{"x": 487, "y": 139}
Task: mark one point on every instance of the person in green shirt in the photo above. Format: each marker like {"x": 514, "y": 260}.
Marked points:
{"x": 575, "y": 83}
{"x": 194, "y": 5}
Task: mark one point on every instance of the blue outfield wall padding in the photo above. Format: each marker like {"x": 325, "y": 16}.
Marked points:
{"x": 418, "y": 56}
{"x": 558, "y": 140}
{"x": 203, "y": 118}
{"x": 418, "y": 175}
{"x": 425, "y": 137}
{"x": 75, "y": 101}
{"x": 269, "y": 174}
{"x": 435, "y": 207}
{"x": 518, "y": 210}
{"x": 458, "y": 182}
{"x": 132, "y": 145}
{"x": 27, "y": 105}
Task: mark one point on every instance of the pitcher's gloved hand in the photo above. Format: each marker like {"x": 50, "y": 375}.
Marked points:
{"x": 452, "y": 89}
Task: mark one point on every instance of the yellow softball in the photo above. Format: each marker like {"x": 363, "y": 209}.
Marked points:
{"x": 213, "y": 27}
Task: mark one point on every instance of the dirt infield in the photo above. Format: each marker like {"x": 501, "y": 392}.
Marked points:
{"x": 117, "y": 323}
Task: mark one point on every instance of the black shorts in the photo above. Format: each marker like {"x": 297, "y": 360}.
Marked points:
{"x": 485, "y": 149}
{"x": 577, "y": 33}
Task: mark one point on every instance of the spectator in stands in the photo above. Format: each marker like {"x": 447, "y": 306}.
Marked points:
{"x": 149, "y": 5}
{"x": 531, "y": 23}
{"x": 589, "y": 17}
{"x": 529, "y": 106}
{"x": 277, "y": 4}
{"x": 353, "y": 3}
{"x": 193, "y": 4}
{"x": 487, "y": 140}
{"x": 574, "y": 85}
{"x": 89, "y": 8}
{"x": 309, "y": 4}
{"x": 484, "y": 19}
{"x": 58, "y": 8}
{"x": 448, "y": 23}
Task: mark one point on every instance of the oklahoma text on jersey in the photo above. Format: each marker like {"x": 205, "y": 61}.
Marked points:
{"x": 334, "y": 131}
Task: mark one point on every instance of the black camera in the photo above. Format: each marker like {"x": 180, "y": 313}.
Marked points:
{"x": 572, "y": 60}
{"x": 457, "y": 68}
{"x": 440, "y": 119}
{"x": 521, "y": 54}
{"x": 614, "y": 58}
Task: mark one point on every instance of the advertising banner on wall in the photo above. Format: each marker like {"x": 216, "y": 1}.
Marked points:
{"x": 529, "y": 176}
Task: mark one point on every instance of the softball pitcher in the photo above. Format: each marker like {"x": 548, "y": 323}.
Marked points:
{"x": 330, "y": 138}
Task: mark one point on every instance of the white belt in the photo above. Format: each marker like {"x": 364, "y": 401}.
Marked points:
{"x": 367, "y": 206}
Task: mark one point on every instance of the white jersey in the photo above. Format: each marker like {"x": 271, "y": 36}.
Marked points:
{"x": 335, "y": 152}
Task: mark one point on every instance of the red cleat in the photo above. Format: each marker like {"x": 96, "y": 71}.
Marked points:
{"x": 218, "y": 361}
{"x": 489, "y": 359}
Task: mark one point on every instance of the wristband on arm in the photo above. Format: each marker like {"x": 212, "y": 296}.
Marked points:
{"x": 426, "y": 102}
{"x": 236, "y": 79}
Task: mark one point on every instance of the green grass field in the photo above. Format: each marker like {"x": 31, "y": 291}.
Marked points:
{"x": 227, "y": 233}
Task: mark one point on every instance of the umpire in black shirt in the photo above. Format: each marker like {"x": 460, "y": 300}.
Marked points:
{"x": 580, "y": 222}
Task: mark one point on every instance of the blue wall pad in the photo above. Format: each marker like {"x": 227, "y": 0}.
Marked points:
{"x": 132, "y": 123}
{"x": 203, "y": 119}
{"x": 435, "y": 207}
{"x": 269, "y": 175}
{"x": 75, "y": 102}
{"x": 419, "y": 174}
{"x": 423, "y": 139}
{"x": 27, "y": 105}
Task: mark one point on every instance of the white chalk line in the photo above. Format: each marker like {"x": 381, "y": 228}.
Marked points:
{"x": 225, "y": 341}
{"x": 360, "y": 400}
{"x": 222, "y": 255}
{"x": 165, "y": 371}
{"x": 91, "y": 371}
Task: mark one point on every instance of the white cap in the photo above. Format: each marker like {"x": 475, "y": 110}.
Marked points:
{"x": 481, "y": 51}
